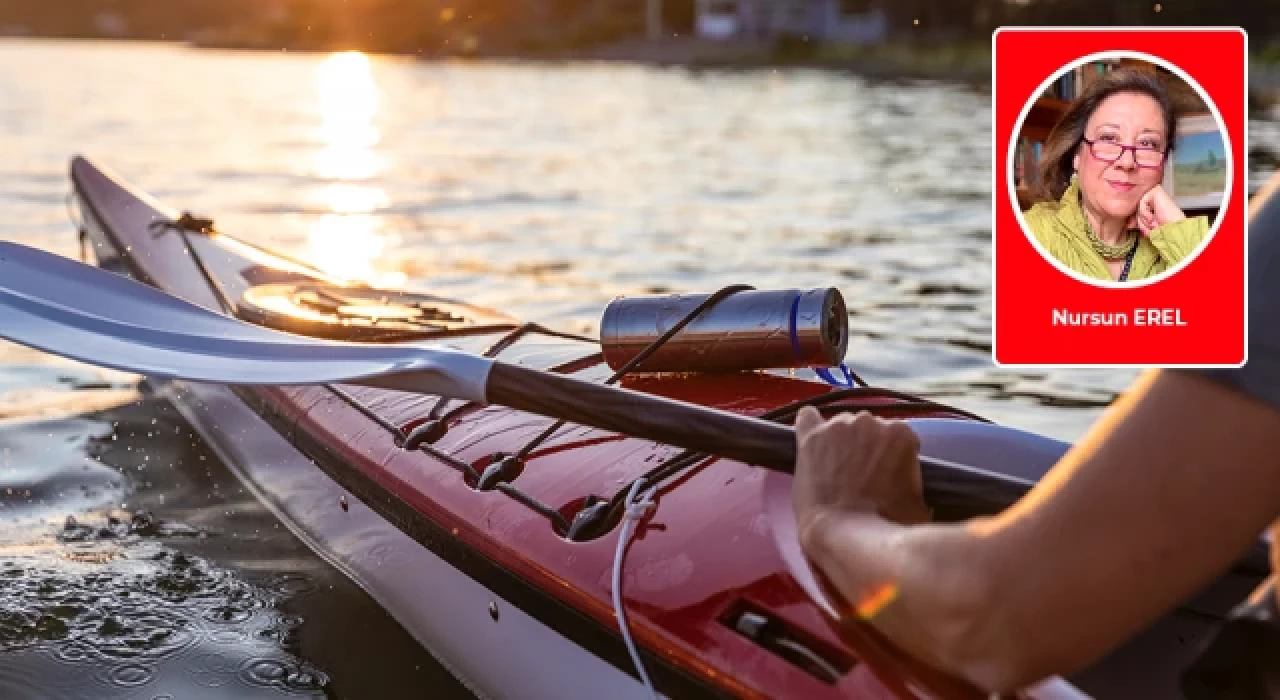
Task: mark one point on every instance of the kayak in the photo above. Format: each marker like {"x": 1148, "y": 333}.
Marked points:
{"x": 501, "y": 539}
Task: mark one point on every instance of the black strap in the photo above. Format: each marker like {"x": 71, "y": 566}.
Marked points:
{"x": 1128, "y": 262}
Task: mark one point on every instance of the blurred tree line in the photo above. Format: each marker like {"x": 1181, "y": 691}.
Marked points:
{"x": 414, "y": 26}
{"x": 432, "y": 27}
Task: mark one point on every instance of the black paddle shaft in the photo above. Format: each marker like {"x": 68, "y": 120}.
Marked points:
{"x": 952, "y": 490}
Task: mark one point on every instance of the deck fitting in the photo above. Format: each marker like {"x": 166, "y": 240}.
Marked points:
{"x": 429, "y": 432}
{"x": 504, "y": 469}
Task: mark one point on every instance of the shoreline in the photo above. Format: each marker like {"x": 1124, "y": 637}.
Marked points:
{"x": 951, "y": 62}
{"x": 967, "y": 62}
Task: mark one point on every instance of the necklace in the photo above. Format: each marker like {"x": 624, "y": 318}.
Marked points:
{"x": 1106, "y": 250}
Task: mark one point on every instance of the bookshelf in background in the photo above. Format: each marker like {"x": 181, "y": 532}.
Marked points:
{"x": 1043, "y": 115}
{"x": 1053, "y": 102}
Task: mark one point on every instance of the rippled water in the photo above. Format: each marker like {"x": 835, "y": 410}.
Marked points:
{"x": 134, "y": 565}
{"x": 540, "y": 189}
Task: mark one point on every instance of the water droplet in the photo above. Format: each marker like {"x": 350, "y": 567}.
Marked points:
{"x": 265, "y": 672}
{"x": 73, "y": 652}
{"x": 227, "y": 637}
{"x": 306, "y": 680}
{"x": 291, "y": 584}
{"x": 130, "y": 675}
{"x": 228, "y": 614}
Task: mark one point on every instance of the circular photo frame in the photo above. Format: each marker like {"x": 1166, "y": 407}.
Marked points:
{"x": 1202, "y": 140}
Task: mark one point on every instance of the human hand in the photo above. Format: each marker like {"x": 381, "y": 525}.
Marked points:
{"x": 856, "y": 463}
{"x": 1155, "y": 209}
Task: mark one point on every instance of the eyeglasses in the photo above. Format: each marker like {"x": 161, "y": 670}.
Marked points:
{"x": 1111, "y": 152}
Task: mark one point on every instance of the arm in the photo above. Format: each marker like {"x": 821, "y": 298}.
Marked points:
{"x": 1173, "y": 484}
{"x": 1178, "y": 239}
{"x": 1169, "y": 230}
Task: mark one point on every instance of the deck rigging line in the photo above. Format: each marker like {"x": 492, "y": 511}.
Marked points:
{"x": 644, "y": 355}
{"x": 606, "y": 513}
{"x": 187, "y": 224}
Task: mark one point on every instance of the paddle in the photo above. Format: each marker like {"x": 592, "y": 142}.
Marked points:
{"x": 58, "y": 305}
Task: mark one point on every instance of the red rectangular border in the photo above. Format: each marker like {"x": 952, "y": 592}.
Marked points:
{"x": 1210, "y": 292}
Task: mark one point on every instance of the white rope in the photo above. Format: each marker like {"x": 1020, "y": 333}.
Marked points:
{"x": 635, "y": 512}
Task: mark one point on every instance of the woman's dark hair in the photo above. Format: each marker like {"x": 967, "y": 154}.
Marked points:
{"x": 1060, "y": 146}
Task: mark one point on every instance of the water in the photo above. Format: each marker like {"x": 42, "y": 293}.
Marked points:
{"x": 134, "y": 565}
{"x": 540, "y": 189}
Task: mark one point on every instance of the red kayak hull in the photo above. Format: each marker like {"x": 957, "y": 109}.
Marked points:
{"x": 710, "y": 554}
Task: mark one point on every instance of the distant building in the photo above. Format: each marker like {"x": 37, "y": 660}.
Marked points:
{"x": 839, "y": 21}
{"x": 110, "y": 24}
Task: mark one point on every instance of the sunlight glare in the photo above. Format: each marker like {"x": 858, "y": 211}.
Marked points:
{"x": 348, "y": 103}
{"x": 351, "y": 198}
{"x": 347, "y": 241}
{"x": 347, "y": 245}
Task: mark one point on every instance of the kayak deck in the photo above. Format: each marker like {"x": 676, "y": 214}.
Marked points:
{"x": 706, "y": 556}
{"x": 699, "y": 575}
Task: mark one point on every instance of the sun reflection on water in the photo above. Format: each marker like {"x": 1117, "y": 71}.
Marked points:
{"x": 352, "y": 198}
{"x": 346, "y": 244}
{"x": 347, "y": 241}
{"x": 348, "y": 103}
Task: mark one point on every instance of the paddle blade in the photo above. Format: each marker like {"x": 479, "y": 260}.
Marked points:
{"x": 66, "y": 308}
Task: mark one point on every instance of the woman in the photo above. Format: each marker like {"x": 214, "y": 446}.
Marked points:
{"x": 1175, "y": 481}
{"x": 1105, "y": 214}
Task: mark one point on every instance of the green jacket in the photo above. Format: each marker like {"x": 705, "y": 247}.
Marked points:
{"x": 1060, "y": 227}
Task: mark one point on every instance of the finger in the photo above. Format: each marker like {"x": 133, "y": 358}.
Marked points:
{"x": 1147, "y": 202}
{"x": 903, "y": 431}
{"x": 808, "y": 420}
{"x": 1144, "y": 224}
{"x": 1136, "y": 218}
{"x": 1148, "y": 210}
